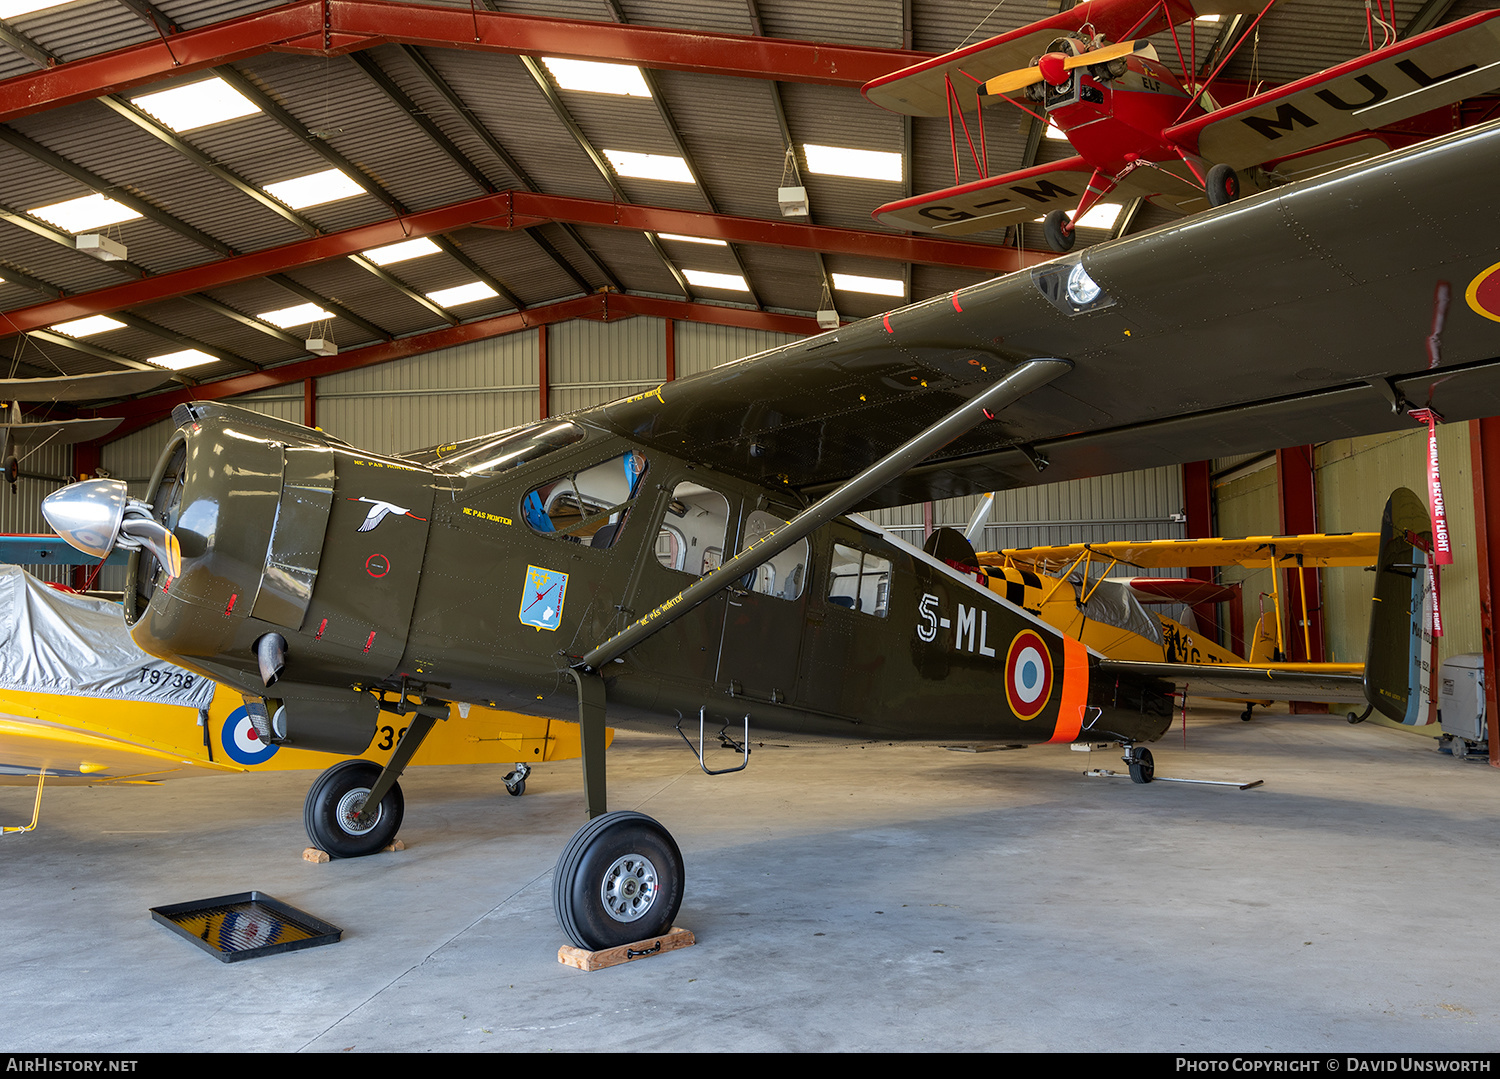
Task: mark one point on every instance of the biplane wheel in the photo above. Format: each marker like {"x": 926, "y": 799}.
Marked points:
{"x": 12, "y": 470}
{"x": 1059, "y": 238}
{"x": 1223, "y": 185}
{"x": 618, "y": 880}
{"x": 336, "y": 799}
{"x": 1142, "y": 767}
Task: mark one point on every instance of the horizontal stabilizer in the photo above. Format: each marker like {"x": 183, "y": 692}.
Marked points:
{"x": 1339, "y": 682}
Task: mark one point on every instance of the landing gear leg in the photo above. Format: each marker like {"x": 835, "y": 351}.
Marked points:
{"x": 334, "y": 807}
{"x": 620, "y": 877}
{"x": 1142, "y": 767}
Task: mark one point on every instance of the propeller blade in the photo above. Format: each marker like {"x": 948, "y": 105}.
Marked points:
{"x": 157, "y": 539}
{"x": 1012, "y": 81}
{"x": 975, "y": 532}
{"x": 1112, "y": 52}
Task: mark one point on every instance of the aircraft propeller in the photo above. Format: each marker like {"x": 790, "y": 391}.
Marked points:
{"x": 1053, "y": 68}
{"x": 98, "y": 515}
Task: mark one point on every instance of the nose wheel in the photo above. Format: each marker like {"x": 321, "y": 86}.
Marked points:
{"x": 331, "y": 812}
{"x": 619, "y": 880}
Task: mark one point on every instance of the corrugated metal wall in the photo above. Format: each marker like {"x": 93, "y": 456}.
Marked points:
{"x": 43, "y": 469}
{"x": 1355, "y": 476}
{"x": 1247, "y": 506}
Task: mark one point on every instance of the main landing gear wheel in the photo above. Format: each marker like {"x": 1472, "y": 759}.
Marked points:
{"x": 618, "y": 880}
{"x": 1060, "y": 235}
{"x": 1142, "y": 767}
{"x": 1223, "y": 185}
{"x": 336, "y": 800}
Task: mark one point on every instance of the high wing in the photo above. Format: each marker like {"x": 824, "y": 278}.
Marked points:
{"x": 63, "y": 432}
{"x": 1382, "y": 87}
{"x": 1020, "y": 196}
{"x": 1310, "y": 551}
{"x": 1297, "y": 315}
{"x": 921, "y": 90}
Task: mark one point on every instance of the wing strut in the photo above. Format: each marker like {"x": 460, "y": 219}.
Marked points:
{"x": 1028, "y": 376}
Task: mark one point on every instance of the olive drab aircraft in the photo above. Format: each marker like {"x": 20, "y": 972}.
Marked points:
{"x": 81, "y": 705}
{"x": 1141, "y": 130}
{"x": 693, "y": 557}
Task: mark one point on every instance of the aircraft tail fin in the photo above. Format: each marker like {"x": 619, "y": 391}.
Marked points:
{"x": 1263, "y": 646}
{"x": 1397, "y": 672}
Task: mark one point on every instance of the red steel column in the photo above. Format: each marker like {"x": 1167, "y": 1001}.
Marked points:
{"x": 309, "y": 402}
{"x": 1302, "y": 589}
{"x": 1198, "y": 505}
{"x": 1484, "y": 451}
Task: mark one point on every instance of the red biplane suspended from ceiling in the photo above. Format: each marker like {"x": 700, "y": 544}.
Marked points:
{"x": 1142, "y": 131}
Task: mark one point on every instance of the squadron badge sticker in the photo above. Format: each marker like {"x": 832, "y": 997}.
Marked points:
{"x": 542, "y": 599}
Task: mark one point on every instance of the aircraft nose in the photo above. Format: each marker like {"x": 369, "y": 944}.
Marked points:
{"x": 88, "y": 514}
{"x": 1053, "y": 69}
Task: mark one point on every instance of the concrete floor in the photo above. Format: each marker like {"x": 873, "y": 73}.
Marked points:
{"x": 879, "y": 898}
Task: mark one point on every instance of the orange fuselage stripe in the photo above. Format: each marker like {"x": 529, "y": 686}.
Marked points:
{"x": 1075, "y": 691}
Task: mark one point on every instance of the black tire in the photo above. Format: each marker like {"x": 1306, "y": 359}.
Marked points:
{"x": 1060, "y": 239}
{"x": 1460, "y": 749}
{"x": 1223, "y": 185}
{"x": 1248, "y": 714}
{"x": 602, "y": 873}
{"x": 336, "y": 796}
{"x": 1142, "y": 767}
{"x": 516, "y": 789}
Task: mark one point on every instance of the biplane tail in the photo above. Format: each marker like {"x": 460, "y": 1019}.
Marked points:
{"x": 1397, "y": 659}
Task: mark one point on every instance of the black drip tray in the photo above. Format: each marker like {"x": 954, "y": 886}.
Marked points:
{"x": 245, "y": 926}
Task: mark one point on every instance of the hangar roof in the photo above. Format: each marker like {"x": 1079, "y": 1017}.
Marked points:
{"x": 443, "y": 123}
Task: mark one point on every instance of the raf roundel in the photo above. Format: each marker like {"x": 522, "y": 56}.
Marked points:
{"x": 1028, "y": 674}
{"x": 242, "y": 741}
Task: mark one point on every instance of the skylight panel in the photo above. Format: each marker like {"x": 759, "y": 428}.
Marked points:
{"x": 728, "y": 282}
{"x": 198, "y": 104}
{"x": 400, "y": 252}
{"x": 596, "y": 78}
{"x": 314, "y": 189}
{"x": 82, "y": 214}
{"x": 692, "y": 239}
{"x": 1102, "y": 216}
{"x": 300, "y": 315}
{"x": 178, "y": 361}
{"x": 877, "y": 286}
{"x": 87, "y": 327}
{"x": 9, "y": 9}
{"x": 860, "y": 164}
{"x": 649, "y": 166}
{"x": 461, "y": 294}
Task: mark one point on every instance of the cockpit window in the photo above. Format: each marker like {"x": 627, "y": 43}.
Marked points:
{"x": 590, "y": 506}
{"x": 489, "y": 455}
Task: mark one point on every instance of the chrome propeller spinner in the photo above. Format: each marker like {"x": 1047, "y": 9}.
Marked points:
{"x": 96, "y": 516}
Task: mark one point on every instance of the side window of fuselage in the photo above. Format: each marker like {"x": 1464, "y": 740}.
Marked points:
{"x": 590, "y": 506}
{"x": 859, "y": 581}
{"x": 784, "y": 575}
{"x": 691, "y": 538}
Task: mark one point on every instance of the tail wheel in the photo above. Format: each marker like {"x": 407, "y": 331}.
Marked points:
{"x": 1223, "y": 185}
{"x": 618, "y": 880}
{"x": 1059, "y": 231}
{"x": 333, "y": 806}
{"x": 1142, "y": 767}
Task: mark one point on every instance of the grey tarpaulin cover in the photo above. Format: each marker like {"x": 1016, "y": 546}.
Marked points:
{"x": 54, "y": 642}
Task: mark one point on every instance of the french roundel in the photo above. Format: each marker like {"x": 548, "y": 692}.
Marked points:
{"x": 242, "y": 741}
{"x": 1483, "y": 293}
{"x": 1028, "y": 674}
